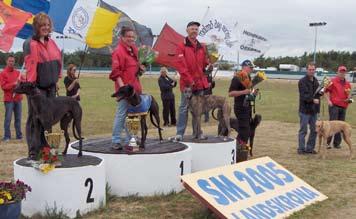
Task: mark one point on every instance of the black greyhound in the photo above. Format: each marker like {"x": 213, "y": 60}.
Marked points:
{"x": 128, "y": 93}
{"x": 50, "y": 111}
{"x": 255, "y": 121}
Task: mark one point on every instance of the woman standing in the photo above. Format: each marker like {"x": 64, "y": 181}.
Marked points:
{"x": 43, "y": 68}
{"x": 71, "y": 82}
{"x": 166, "y": 85}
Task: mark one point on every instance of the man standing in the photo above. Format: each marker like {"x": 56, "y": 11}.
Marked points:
{"x": 338, "y": 95}
{"x": 192, "y": 61}
{"x": 12, "y": 102}
{"x": 239, "y": 88}
{"x": 125, "y": 67}
{"x": 166, "y": 85}
{"x": 309, "y": 107}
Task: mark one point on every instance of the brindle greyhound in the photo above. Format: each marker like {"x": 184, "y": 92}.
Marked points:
{"x": 128, "y": 93}
{"x": 49, "y": 111}
{"x": 199, "y": 104}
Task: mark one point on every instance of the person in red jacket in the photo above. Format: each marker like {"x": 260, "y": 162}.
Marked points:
{"x": 192, "y": 62}
{"x": 9, "y": 78}
{"x": 43, "y": 63}
{"x": 125, "y": 66}
{"x": 338, "y": 95}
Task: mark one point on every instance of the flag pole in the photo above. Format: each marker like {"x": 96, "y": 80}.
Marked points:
{"x": 82, "y": 59}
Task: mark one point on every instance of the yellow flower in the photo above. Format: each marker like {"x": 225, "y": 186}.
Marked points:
{"x": 45, "y": 168}
{"x": 262, "y": 75}
{"x": 2, "y": 201}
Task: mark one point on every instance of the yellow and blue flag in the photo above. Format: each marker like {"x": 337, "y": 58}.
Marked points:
{"x": 84, "y": 20}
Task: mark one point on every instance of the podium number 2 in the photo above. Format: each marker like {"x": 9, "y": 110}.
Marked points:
{"x": 233, "y": 156}
{"x": 89, "y": 182}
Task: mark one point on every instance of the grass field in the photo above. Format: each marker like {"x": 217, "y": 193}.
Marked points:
{"x": 276, "y": 137}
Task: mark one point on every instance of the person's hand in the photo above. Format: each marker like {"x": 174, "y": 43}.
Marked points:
{"x": 316, "y": 101}
{"x": 142, "y": 68}
{"x": 210, "y": 67}
{"x": 246, "y": 91}
{"x": 330, "y": 103}
{"x": 77, "y": 80}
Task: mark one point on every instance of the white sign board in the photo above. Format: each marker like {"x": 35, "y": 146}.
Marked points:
{"x": 259, "y": 188}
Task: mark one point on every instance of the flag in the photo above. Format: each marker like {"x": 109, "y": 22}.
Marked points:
{"x": 12, "y": 20}
{"x": 32, "y": 6}
{"x": 84, "y": 20}
{"x": 166, "y": 46}
{"x": 220, "y": 32}
{"x": 144, "y": 34}
{"x": 252, "y": 44}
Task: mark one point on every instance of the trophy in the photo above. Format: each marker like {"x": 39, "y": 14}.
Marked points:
{"x": 325, "y": 83}
{"x": 132, "y": 124}
{"x": 54, "y": 141}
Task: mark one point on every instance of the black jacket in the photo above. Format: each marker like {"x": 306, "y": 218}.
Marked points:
{"x": 166, "y": 86}
{"x": 307, "y": 90}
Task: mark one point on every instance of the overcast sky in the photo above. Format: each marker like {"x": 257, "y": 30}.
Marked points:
{"x": 283, "y": 22}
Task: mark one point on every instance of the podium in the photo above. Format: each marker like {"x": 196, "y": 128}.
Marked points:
{"x": 154, "y": 171}
{"x": 77, "y": 187}
{"x": 211, "y": 153}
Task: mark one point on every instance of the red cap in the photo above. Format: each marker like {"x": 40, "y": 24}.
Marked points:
{"x": 342, "y": 68}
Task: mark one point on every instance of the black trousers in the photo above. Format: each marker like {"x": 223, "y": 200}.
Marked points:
{"x": 336, "y": 113}
{"x": 244, "y": 131}
{"x": 34, "y": 131}
{"x": 169, "y": 110}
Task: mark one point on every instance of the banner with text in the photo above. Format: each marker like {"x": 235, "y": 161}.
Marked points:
{"x": 259, "y": 188}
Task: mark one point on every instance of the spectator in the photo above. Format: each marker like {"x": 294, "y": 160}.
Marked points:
{"x": 166, "y": 85}
{"x": 338, "y": 95}
{"x": 309, "y": 107}
{"x": 71, "y": 83}
{"x": 9, "y": 78}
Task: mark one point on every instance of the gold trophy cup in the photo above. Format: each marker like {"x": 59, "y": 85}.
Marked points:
{"x": 54, "y": 141}
{"x": 132, "y": 124}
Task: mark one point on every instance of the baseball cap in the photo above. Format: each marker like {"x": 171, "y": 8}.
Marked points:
{"x": 193, "y": 23}
{"x": 247, "y": 63}
{"x": 342, "y": 68}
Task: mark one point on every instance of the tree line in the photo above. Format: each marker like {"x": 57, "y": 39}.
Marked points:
{"x": 328, "y": 60}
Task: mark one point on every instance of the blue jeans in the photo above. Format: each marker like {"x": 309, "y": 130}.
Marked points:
{"x": 120, "y": 123}
{"x": 10, "y": 107}
{"x": 305, "y": 120}
{"x": 182, "y": 115}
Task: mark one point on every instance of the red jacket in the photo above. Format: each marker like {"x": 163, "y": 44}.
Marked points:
{"x": 43, "y": 62}
{"x": 339, "y": 91}
{"x": 125, "y": 65}
{"x": 8, "y": 81}
{"x": 192, "y": 60}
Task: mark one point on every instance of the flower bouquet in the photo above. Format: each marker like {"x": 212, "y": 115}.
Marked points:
{"x": 250, "y": 84}
{"x": 48, "y": 159}
{"x": 259, "y": 77}
{"x": 11, "y": 195}
{"x": 146, "y": 56}
{"x": 213, "y": 53}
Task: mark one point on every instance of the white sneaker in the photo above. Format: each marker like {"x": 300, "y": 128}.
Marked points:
{"x": 176, "y": 138}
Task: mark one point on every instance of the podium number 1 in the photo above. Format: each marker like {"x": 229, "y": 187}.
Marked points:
{"x": 181, "y": 168}
{"x": 90, "y": 182}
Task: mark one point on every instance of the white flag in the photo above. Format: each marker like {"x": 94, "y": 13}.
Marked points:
{"x": 252, "y": 44}
{"x": 214, "y": 29}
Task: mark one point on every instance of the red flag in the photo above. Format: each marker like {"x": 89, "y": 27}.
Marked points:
{"x": 14, "y": 19}
{"x": 166, "y": 45}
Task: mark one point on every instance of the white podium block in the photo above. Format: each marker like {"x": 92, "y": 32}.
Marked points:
{"x": 155, "y": 170}
{"x": 211, "y": 153}
{"x": 76, "y": 187}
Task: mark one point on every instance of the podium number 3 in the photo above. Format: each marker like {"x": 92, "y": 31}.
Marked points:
{"x": 233, "y": 156}
{"x": 89, "y": 182}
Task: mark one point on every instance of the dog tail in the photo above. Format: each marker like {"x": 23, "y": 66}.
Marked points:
{"x": 155, "y": 123}
{"x": 75, "y": 131}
